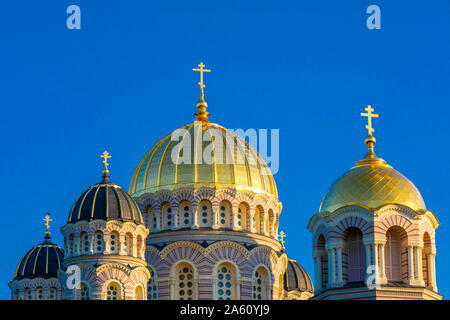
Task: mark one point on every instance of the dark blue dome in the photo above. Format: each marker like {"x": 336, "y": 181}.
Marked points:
{"x": 41, "y": 261}
{"x": 105, "y": 201}
{"x": 296, "y": 278}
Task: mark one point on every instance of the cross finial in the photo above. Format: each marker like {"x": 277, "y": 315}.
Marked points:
{"x": 369, "y": 116}
{"x": 105, "y": 156}
{"x": 201, "y": 70}
{"x": 47, "y": 220}
{"x": 281, "y": 237}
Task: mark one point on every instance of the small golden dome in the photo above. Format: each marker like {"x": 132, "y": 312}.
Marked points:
{"x": 372, "y": 184}
{"x": 232, "y": 165}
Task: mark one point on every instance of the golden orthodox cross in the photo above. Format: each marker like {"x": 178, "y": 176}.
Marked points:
{"x": 47, "y": 220}
{"x": 369, "y": 116}
{"x": 282, "y": 235}
{"x": 105, "y": 156}
{"x": 201, "y": 70}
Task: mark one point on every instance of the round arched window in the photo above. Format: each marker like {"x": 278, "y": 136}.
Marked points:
{"x": 84, "y": 292}
{"x": 225, "y": 287}
{"x": 185, "y": 285}
{"x": 152, "y": 290}
{"x": 39, "y": 293}
{"x": 113, "y": 291}
{"x": 260, "y": 284}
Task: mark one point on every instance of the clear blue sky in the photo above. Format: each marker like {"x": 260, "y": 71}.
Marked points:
{"x": 307, "y": 68}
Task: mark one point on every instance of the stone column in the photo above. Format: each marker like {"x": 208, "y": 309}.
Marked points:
{"x": 340, "y": 281}
{"x": 215, "y": 215}
{"x": 265, "y": 231}
{"x": 432, "y": 271}
{"x": 134, "y": 246}
{"x": 176, "y": 218}
{"x": 76, "y": 244}
{"x": 234, "y": 218}
{"x": 90, "y": 239}
{"x": 368, "y": 255}
{"x": 195, "y": 224}
{"x": 331, "y": 268}
{"x": 383, "y": 278}
{"x": 157, "y": 213}
{"x": 251, "y": 222}
{"x": 376, "y": 247}
{"x": 317, "y": 273}
{"x": 107, "y": 241}
{"x": 419, "y": 267}
{"x": 410, "y": 263}
{"x": 122, "y": 245}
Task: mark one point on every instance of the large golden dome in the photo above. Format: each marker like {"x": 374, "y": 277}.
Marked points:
{"x": 372, "y": 184}
{"x": 233, "y": 165}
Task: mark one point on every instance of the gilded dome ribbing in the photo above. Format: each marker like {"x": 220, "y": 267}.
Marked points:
{"x": 371, "y": 184}
{"x": 245, "y": 170}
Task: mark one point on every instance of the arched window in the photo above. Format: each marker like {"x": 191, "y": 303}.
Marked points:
{"x": 184, "y": 211}
{"x": 99, "y": 242}
{"x": 226, "y": 283}
{"x": 354, "y": 261}
{"x": 184, "y": 283}
{"x": 84, "y": 243}
{"x": 139, "y": 293}
{"x": 39, "y": 293}
{"x": 113, "y": 291}
{"x": 204, "y": 214}
{"x": 242, "y": 216}
{"x": 149, "y": 218}
{"x": 114, "y": 242}
{"x": 225, "y": 214}
{"x": 167, "y": 216}
{"x": 152, "y": 290}
{"x": 261, "y": 285}
{"x": 52, "y": 293}
{"x": 393, "y": 254}
{"x": 27, "y": 294}
{"x": 257, "y": 219}
{"x": 84, "y": 292}
{"x": 427, "y": 250}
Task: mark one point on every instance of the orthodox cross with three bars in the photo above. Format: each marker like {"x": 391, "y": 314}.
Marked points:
{"x": 47, "y": 220}
{"x": 282, "y": 235}
{"x": 105, "y": 156}
{"x": 201, "y": 70}
{"x": 369, "y": 116}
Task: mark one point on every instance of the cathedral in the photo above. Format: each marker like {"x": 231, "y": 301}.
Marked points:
{"x": 200, "y": 221}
